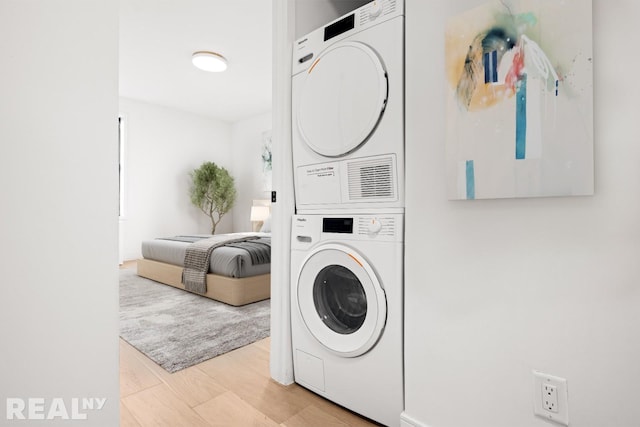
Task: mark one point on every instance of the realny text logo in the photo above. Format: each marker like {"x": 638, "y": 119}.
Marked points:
{"x": 57, "y": 408}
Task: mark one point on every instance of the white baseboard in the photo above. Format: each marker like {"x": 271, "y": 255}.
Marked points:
{"x": 407, "y": 421}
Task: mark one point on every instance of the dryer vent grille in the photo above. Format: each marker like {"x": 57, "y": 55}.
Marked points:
{"x": 372, "y": 179}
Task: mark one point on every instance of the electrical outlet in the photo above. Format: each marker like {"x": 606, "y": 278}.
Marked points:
{"x": 550, "y": 398}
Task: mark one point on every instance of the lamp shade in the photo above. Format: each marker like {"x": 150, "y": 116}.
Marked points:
{"x": 259, "y": 213}
{"x": 209, "y": 61}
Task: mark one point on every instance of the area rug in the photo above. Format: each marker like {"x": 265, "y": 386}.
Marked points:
{"x": 177, "y": 329}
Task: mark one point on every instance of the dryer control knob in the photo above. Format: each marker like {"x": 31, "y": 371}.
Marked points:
{"x": 375, "y": 10}
{"x": 374, "y": 226}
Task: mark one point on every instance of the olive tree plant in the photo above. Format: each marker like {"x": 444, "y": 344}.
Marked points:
{"x": 213, "y": 191}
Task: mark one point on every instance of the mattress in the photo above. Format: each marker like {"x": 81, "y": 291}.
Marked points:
{"x": 225, "y": 261}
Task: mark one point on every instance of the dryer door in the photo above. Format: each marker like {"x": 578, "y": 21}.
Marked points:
{"x": 341, "y": 300}
{"x": 342, "y": 99}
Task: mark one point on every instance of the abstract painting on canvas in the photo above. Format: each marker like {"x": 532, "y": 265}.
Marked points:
{"x": 520, "y": 100}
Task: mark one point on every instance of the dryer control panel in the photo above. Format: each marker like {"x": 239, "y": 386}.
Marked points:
{"x": 308, "y": 230}
{"x": 307, "y": 49}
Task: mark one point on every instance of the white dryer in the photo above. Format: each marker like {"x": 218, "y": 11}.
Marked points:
{"x": 347, "y": 311}
{"x": 348, "y": 112}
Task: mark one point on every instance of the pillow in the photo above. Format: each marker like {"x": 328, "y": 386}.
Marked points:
{"x": 266, "y": 225}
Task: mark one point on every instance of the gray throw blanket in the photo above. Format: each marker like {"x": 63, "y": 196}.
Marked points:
{"x": 198, "y": 258}
{"x": 259, "y": 249}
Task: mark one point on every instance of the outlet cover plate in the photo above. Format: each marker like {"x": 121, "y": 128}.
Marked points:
{"x": 560, "y": 417}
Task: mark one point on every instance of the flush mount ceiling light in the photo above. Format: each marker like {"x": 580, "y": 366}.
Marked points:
{"x": 209, "y": 61}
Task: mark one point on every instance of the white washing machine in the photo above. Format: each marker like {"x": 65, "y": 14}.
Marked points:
{"x": 347, "y": 311}
{"x": 348, "y": 112}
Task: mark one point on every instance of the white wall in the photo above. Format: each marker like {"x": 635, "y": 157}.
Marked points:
{"x": 246, "y": 140}
{"x": 163, "y": 146}
{"x": 58, "y": 130}
{"x": 281, "y": 354}
{"x": 497, "y": 288}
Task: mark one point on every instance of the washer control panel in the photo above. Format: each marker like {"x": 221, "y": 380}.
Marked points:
{"x": 378, "y": 225}
{"x": 308, "y": 230}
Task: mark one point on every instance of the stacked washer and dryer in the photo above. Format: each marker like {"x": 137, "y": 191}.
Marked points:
{"x": 347, "y": 255}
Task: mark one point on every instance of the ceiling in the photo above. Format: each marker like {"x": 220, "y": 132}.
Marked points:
{"x": 158, "y": 37}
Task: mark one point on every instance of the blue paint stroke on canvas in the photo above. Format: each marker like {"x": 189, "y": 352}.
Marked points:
{"x": 521, "y": 119}
{"x": 471, "y": 180}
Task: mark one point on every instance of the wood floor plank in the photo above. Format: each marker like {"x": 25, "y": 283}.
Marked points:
{"x": 344, "y": 415}
{"x": 229, "y": 410}
{"x": 311, "y": 416}
{"x": 337, "y": 411}
{"x": 191, "y": 385}
{"x": 159, "y": 407}
{"x": 274, "y": 400}
{"x": 134, "y": 375}
{"x": 126, "y": 418}
{"x": 150, "y": 364}
{"x": 264, "y": 343}
{"x": 253, "y": 357}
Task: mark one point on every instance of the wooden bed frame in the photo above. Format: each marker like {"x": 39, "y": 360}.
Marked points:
{"x": 229, "y": 290}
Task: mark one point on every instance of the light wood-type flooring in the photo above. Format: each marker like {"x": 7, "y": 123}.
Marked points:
{"x": 233, "y": 389}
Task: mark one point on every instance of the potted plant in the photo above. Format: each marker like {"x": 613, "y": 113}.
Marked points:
{"x": 212, "y": 191}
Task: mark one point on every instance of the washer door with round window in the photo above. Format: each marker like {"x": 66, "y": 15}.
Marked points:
{"x": 341, "y": 301}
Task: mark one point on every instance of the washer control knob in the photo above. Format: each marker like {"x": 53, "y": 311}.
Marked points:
{"x": 375, "y": 10}
{"x": 374, "y": 226}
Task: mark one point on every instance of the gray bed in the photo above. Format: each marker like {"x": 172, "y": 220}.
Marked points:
{"x": 225, "y": 261}
{"x": 233, "y": 278}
